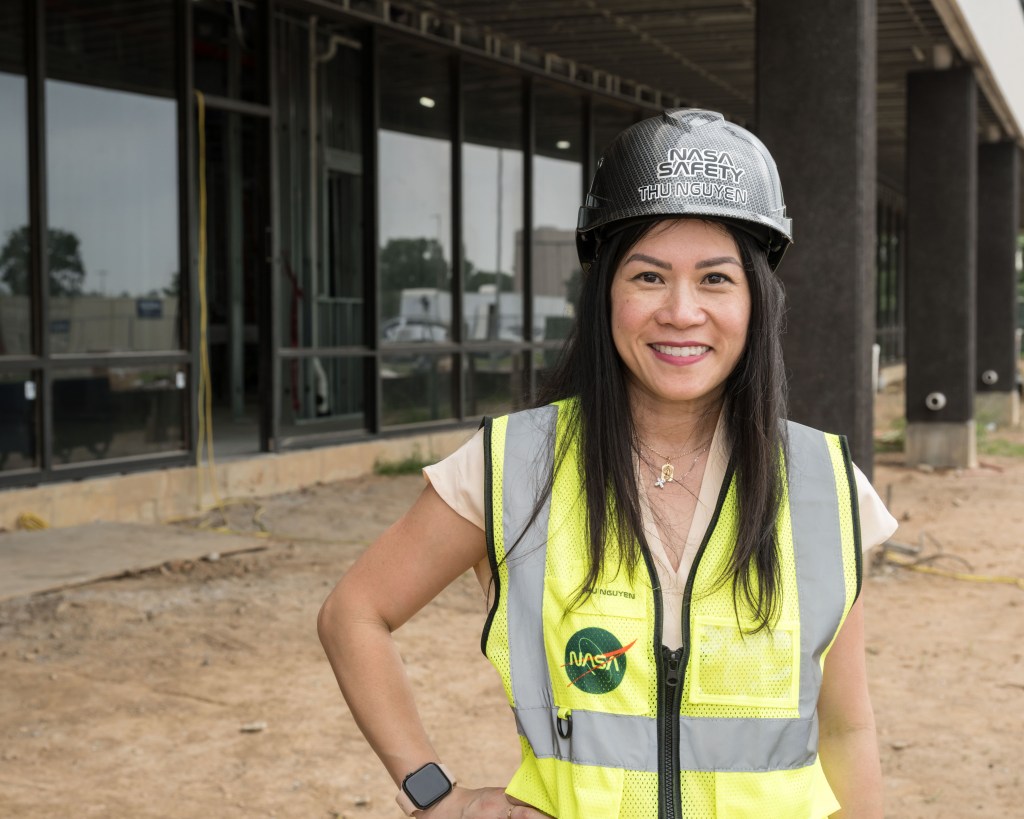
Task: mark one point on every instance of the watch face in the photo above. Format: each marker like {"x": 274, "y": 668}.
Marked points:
{"x": 427, "y": 785}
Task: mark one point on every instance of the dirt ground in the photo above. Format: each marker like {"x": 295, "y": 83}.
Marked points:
{"x": 200, "y": 689}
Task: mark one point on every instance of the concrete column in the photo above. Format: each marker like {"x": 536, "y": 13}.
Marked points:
{"x": 816, "y": 114}
{"x": 942, "y": 173}
{"x": 996, "y": 399}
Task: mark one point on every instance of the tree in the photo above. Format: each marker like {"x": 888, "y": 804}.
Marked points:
{"x": 415, "y": 262}
{"x": 478, "y": 278}
{"x": 174, "y": 288}
{"x": 67, "y": 273}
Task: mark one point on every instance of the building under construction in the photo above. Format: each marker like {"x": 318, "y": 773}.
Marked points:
{"x": 312, "y": 223}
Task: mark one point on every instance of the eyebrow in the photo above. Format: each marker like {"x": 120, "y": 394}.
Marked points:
{"x": 717, "y": 261}
{"x": 643, "y": 257}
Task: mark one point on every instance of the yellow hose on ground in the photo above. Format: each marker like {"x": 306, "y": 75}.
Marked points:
{"x": 30, "y": 521}
{"x": 917, "y": 566}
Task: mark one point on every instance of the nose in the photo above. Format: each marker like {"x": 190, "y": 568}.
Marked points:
{"x": 681, "y": 307}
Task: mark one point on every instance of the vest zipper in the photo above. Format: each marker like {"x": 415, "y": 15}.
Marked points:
{"x": 668, "y": 729}
{"x": 671, "y": 670}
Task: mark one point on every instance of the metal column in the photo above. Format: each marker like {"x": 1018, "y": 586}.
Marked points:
{"x": 816, "y": 113}
{"x": 942, "y": 175}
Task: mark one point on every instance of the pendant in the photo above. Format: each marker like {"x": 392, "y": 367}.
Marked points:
{"x": 667, "y": 471}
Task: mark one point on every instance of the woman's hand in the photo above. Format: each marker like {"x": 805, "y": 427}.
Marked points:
{"x": 481, "y": 803}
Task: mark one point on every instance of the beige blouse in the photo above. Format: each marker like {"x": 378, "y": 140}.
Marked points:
{"x": 459, "y": 480}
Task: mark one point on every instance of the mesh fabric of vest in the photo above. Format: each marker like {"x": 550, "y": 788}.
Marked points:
{"x": 747, "y": 677}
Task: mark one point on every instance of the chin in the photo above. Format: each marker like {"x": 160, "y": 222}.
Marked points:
{"x": 708, "y": 395}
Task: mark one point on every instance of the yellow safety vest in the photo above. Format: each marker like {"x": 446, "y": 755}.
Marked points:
{"x": 610, "y": 722}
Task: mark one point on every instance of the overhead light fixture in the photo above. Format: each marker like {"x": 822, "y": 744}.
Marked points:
{"x": 427, "y": 102}
{"x": 563, "y": 145}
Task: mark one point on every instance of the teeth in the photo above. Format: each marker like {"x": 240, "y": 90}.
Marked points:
{"x": 680, "y": 352}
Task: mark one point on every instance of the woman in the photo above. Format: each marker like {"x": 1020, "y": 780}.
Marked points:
{"x": 673, "y": 571}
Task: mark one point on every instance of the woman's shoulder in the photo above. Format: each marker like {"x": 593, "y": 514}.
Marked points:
{"x": 542, "y": 418}
{"x": 459, "y": 479}
{"x": 560, "y": 405}
{"x": 876, "y": 524}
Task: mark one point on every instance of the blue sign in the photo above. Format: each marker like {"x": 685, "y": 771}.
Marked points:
{"x": 149, "y": 308}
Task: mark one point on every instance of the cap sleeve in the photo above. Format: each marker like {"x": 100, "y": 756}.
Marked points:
{"x": 459, "y": 479}
{"x": 876, "y": 524}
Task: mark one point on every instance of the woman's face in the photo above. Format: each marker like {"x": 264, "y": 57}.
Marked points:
{"x": 680, "y": 311}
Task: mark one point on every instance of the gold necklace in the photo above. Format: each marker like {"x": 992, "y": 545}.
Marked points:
{"x": 668, "y": 470}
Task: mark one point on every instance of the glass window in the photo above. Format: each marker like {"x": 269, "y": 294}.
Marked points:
{"x": 415, "y": 167}
{"x": 323, "y": 394}
{"x": 18, "y": 421}
{"x": 236, "y": 252}
{"x": 492, "y": 205}
{"x": 889, "y": 270}
{"x": 321, "y": 186}
{"x": 15, "y": 290}
{"x": 341, "y": 94}
{"x": 12, "y": 37}
{"x": 609, "y": 121}
{"x": 112, "y": 43}
{"x": 544, "y": 363}
{"x": 342, "y": 301}
{"x": 112, "y": 177}
{"x": 415, "y": 387}
{"x": 228, "y": 57}
{"x": 557, "y": 193}
{"x": 495, "y": 382}
{"x": 101, "y": 413}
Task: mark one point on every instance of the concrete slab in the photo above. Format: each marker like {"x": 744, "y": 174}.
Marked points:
{"x": 50, "y": 559}
{"x": 1000, "y": 408}
{"x": 942, "y": 445}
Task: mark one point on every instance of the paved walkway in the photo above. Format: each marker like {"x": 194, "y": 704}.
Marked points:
{"x": 49, "y": 559}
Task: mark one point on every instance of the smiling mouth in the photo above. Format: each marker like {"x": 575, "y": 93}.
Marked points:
{"x": 681, "y": 352}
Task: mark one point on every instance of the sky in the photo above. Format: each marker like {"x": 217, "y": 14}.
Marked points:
{"x": 112, "y": 179}
{"x": 13, "y": 155}
{"x": 414, "y": 198}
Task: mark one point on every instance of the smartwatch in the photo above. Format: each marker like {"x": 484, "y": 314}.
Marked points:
{"x": 425, "y": 787}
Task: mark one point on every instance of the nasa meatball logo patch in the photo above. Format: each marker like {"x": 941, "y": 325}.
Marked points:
{"x": 595, "y": 660}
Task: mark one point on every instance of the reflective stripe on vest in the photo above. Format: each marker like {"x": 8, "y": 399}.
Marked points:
{"x": 819, "y": 572}
{"x": 622, "y": 741}
{"x": 529, "y": 441}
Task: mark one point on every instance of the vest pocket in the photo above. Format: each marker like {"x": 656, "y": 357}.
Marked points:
{"x": 569, "y": 791}
{"x": 759, "y": 670}
{"x": 800, "y": 793}
{"x": 599, "y": 653}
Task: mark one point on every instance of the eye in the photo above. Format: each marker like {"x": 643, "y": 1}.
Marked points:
{"x": 717, "y": 278}
{"x": 647, "y": 278}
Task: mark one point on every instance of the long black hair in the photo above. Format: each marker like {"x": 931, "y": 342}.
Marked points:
{"x": 603, "y": 427}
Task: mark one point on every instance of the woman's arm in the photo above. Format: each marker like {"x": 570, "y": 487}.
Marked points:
{"x": 848, "y": 745}
{"x": 403, "y": 570}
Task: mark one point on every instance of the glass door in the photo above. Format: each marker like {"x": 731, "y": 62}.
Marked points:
{"x": 325, "y": 351}
{"x": 237, "y": 271}
{"x": 231, "y": 71}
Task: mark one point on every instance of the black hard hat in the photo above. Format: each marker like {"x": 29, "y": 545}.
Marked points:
{"x": 686, "y": 162}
